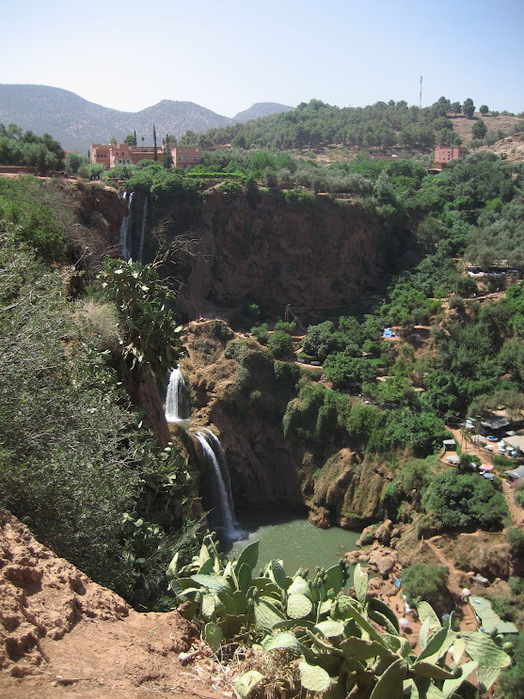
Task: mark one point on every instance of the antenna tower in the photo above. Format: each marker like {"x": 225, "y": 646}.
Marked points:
{"x": 420, "y": 94}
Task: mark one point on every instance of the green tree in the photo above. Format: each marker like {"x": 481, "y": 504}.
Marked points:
{"x": 462, "y": 501}
{"x": 422, "y": 581}
{"x": 512, "y": 679}
{"x": 468, "y": 108}
{"x": 167, "y": 158}
{"x": 155, "y": 154}
{"x": 484, "y": 109}
{"x": 479, "y": 129}
{"x": 280, "y": 344}
{"x": 74, "y": 162}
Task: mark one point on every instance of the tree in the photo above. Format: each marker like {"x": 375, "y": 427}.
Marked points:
{"x": 462, "y": 501}
{"x": 479, "y": 129}
{"x": 155, "y": 154}
{"x": 130, "y": 139}
{"x": 426, "y": 582}
{"x": 73, "y": 162}
{"x": 280, "y": 344}
{"x": 468, "y": 108}
{"x": 512, "y": 680}
{"x": 484, "y": 109}
{"x": 167, "y": 158}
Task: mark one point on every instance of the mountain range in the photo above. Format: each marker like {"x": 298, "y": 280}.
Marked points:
{"x": 76, "y": 122}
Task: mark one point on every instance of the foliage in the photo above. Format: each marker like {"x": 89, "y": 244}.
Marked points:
{"x": 65, "y": 457}
{"x": 462, "y": 501}
{"x": 334, "y": 638}
{"x": 421, "y": 581}
{"x": 73, "y": 460}
{"x": 518, "y": 494}
{"x": 279, "y": 344}
{"x": 26, "y": 148}
{"x": 151, "y": 336}
{"x": 39, "y": 214}
{"x": 515, "y": 540}
{"x": 512, "y": 680}
{"x": 315, "y": 414}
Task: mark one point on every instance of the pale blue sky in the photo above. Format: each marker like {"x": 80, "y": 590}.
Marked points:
{"x": 226, "y": 55}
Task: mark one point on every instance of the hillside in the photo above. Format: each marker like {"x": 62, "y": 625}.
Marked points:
{"x": 76, "y": 122}
{"x": 55, "y": 621}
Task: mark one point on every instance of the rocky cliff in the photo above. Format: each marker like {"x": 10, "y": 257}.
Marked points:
{"x": 263, "y": 247}
{"x": 242, "y": 393}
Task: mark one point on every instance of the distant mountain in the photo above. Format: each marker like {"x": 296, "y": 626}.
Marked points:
{"x": 76, "y": 123}
{"x": 261, "y": 109}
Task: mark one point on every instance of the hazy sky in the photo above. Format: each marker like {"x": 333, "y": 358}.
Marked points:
{"x": 226, "y": 55}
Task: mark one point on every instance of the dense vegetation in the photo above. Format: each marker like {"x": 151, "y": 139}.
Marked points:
{"x": 382, "y": 125}
{"x": 26, "y": 148}
{"x": 75, "y": 463}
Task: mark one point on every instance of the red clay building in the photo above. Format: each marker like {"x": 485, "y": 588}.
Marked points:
{"x": 444, "y": 155}
{"x": 121, "y": 154}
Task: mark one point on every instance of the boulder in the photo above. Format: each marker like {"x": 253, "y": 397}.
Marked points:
{"x": 383, "y": 533}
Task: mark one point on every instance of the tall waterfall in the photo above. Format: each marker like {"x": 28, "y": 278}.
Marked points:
{"x": 125, "y": 228}
{"x": 177, "y": 399}
{"x": 222, "y": 516}
{"x": 143, "y": 233}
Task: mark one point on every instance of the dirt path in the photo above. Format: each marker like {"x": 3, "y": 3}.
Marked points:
{"x": 468, "y": 621}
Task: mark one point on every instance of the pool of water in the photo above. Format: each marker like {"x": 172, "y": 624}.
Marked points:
{"x": 293, "y": 540}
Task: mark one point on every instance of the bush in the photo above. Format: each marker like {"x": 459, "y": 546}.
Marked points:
{"x": 280, "y": 344}
{"x": 422, "y": 581}
{"x": 515, "y": 540}
{"x": 261, "y": 333}
{"x": 463, "y": 501}
{"x": 518, "y": 494}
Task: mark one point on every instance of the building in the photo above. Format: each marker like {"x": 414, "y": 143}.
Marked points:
{"x": 444, "y": 155}
{"x": 111, "y": 155}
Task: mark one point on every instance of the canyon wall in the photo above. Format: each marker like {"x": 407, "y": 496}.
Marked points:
{"x": 311, "y": 254}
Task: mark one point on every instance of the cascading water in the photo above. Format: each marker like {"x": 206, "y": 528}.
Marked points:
{"x": 222, "y": 516}
{"x": 177, "y": 399}
{"x": 125, "y": 228}
{"x": 143, "y": 233}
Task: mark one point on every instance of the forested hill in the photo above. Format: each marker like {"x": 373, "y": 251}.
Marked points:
{"x": 380, "y": 126}
{"x": 75, "y": 122}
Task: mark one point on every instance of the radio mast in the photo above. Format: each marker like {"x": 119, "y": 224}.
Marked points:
{"x": 420, "y": 94}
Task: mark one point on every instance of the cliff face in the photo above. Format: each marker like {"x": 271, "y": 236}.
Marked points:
{"x": 313, "y": 254}
{"x": 242, "y": 394}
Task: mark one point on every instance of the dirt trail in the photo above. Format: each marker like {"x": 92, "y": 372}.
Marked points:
{"x": 466, "y": 615}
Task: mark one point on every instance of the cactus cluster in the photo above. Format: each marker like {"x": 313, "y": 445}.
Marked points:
{"x": 344, "y": 645}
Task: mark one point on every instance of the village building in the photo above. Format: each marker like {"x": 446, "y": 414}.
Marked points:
{"x": 111, "y": 155}
{"x": 444, "y": 155}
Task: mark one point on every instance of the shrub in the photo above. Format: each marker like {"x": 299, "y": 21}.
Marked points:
{"x": 261, "y": 333}
{"x": 518, "y": 494}
{"x": 422, "y": 581}
{"x": 515, "y": 540}
{"x": 461, "y": 501}
{"x": 280, "y": 344}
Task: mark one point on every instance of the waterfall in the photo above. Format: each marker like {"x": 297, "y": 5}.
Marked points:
{"x": 222, "y": 516}
{"x": 125, "y": 228}
{"x": 143, "y": 233}
{"x": 177, "y": 399}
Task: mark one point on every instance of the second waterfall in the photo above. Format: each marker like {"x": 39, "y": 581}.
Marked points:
{"x": 216, "y": 484}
